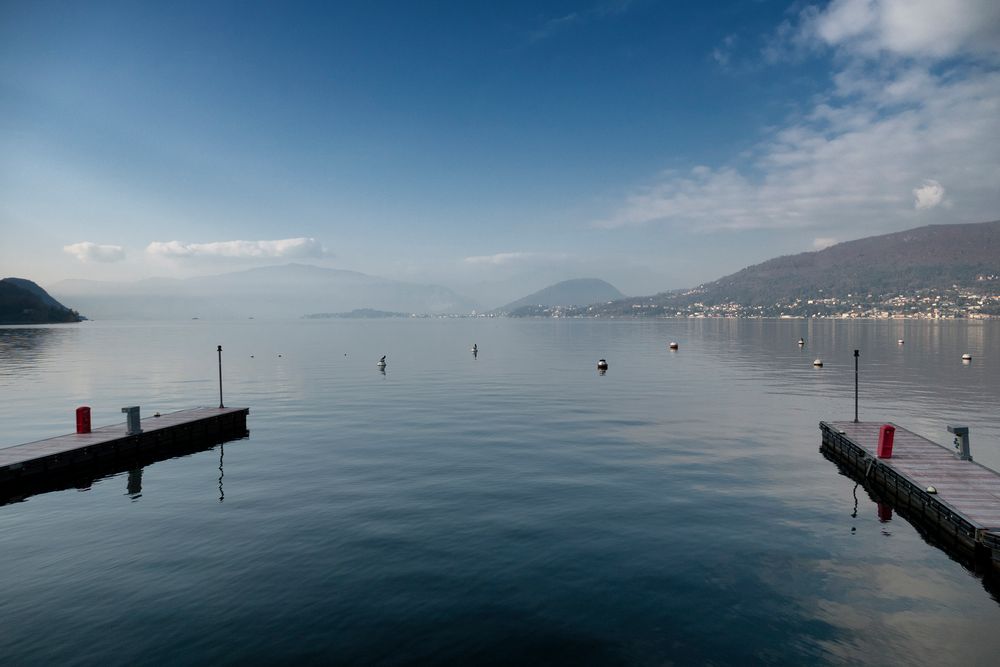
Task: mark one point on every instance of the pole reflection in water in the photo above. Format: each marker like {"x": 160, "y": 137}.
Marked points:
{"x": 133, "y": 487}
{"x": 222, "y": 452}
{"x": 854, "y": 514}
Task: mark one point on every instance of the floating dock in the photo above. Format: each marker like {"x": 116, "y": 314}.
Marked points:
{"x": 37, "y": 462}
{"x": 965, "y": 510}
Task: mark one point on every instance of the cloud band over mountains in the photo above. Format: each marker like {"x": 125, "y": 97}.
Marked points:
{"x": 87, "y": 251}
{"x": 296, "y": 248}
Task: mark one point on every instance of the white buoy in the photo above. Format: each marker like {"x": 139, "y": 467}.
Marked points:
{"x": 931, "y": 489}
{"x": 674, "y": 345}
{"x": 899, "y": 342}
{"x": 602, "y": 365}
{"x": 802, "y": 342}
{"x": 966, "y": 357}
{"x": 818, "y": 363}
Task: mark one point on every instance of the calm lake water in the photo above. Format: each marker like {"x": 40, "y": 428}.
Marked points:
{"x": 517, "y": 507}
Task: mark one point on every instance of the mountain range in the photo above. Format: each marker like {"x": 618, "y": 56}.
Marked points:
{"x": 936, "y": 258}
{"x": 291, "y": 290}
{"x": 575, "y": 292}
{"x": 878, "y": 268}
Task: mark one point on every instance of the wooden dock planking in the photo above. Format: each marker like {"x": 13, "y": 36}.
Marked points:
{"x": 967, "y": 504}
{"x": 182, "y": 427}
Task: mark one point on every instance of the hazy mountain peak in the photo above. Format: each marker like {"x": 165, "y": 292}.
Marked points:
{"x": 287, "y": 290}
{"x": 574, "y": 292}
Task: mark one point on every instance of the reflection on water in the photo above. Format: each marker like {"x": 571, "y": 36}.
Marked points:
{"x": 24, "y": 349}
{"x": 134, "y": 487}
{"x": 85, "y": 476}
{"x": 222, "y": 453}
{"x": 512, "y": 507}
{"x": 976, "y": 564}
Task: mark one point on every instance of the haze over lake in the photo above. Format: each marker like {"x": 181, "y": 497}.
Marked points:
{"x": 511, "y": 507}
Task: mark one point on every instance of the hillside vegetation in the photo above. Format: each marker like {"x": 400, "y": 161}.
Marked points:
{"x": 24, "y": 302}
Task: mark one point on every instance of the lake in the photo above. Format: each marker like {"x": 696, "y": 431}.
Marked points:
{"x": 513, "y": 507}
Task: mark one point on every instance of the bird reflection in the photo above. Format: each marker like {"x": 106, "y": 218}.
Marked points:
{"x": 222, "y": 453}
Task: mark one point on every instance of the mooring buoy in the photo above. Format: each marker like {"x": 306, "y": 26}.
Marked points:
{"x": 818, "y": 363}
{"x": 602, "y": 365}
{"x": 966, "y": 357}
{"x": 674, "y": 345}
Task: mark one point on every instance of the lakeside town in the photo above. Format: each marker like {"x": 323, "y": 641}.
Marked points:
{"x": 979, "y": 302}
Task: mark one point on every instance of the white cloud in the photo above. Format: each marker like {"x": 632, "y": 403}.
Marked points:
{"x": 914, "y": 28}
{"x": 928, "y": 195}
{"x": 85, "y": 251}
{"x": 507, "y": 258}
{"x": 853, "y": 156}
{"x": 821, "y": 242}
{"x": 282, "y": 248}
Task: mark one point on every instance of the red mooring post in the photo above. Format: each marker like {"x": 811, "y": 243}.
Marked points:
{"x": 83, "y": 419}
{"x": 885, "y": 436}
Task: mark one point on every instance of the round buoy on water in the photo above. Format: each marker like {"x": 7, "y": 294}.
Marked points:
{"x": 602, "y": 365}
{"x": 818, "y": 363}
{"x": 931, "y": 489}
{"x": 966, "y": 357}
{"x": 802, "y": 341}
{"x": 673, "y": 345}
{"x": 899, "y": 342}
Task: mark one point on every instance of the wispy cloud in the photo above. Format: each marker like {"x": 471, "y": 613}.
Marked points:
{"x": 554, "y": 25}
{"x": 722, "y": 54}
{"x": 508, "y": 258}
{"x": 282, "y": 248}
{"x": 558, "y": 24}
{"x": 86, "y": 251}
{"x": 900, "y": 122}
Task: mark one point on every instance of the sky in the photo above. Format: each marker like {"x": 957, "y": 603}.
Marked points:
{"x": 492, "y": 147}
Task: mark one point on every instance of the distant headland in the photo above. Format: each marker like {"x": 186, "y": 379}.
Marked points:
{"x": 24, "y": 302}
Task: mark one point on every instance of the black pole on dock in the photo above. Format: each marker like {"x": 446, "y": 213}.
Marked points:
{"x": 856, "y": 355}
{"x": 220, "y": 379}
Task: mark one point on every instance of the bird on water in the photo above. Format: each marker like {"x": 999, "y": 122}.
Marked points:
{"x": 381, "y": 362}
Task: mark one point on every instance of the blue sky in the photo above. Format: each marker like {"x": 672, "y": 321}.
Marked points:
{"x": 491, "y": 147}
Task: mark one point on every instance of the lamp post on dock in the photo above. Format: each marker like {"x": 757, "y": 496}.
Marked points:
{"x": 857, "y": 353}
{"x": 220, "y": 379}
